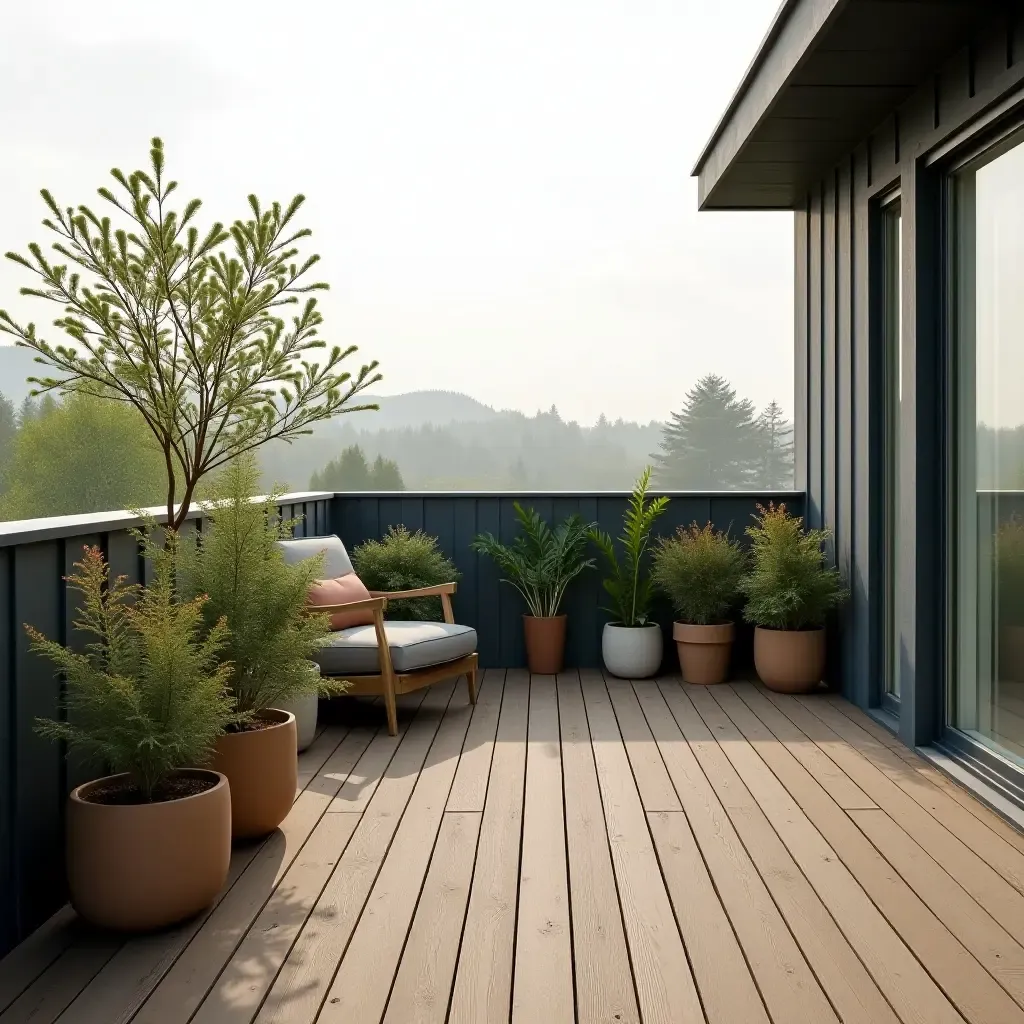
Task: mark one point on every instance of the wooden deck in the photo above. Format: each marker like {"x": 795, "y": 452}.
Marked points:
{"x": 584, "y": 850}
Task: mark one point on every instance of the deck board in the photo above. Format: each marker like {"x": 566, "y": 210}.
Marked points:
{"x": 589, "y": 851}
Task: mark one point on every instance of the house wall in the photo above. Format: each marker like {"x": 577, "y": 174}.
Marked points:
{"x": 838, "y": 371}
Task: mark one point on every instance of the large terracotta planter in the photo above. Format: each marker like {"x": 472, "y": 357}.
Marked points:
{"x": 704, "y": 651}
{"x": 263, "y": 769}
{"x": 789, "y": 660}
{"x": 139, "y": 867}
{"x": 631, "y": 652}
{"x": 545, "y": 643}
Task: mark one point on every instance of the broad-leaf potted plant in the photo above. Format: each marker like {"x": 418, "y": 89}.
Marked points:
{"x": 1009, "y": 566}
{"x": 631, "y": 645}
{"x": 150, "y": 844}
{"x": 236, "y": 563}
{"x": 541, "y": 563}
{"x": 790, "y": 590}
{"x": 698, "y": 570}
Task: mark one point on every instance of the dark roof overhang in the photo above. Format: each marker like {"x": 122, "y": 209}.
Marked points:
{"x": 825, "y": 76}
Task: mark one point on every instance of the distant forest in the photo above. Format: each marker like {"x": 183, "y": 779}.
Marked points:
{"x": 716, "y": 441}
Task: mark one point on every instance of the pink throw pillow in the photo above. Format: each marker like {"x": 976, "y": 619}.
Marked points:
{"x": 340, "y": 591}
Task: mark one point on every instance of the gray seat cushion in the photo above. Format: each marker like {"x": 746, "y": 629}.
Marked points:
{"x": 337, "y": 563}
{"x": 414, "y": 645}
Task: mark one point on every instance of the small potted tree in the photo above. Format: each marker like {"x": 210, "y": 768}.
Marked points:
{"x": 541, "y": 563}
{"x": 698, "y": 570}
{"x": 790, "y": 591}
{"x": 236, "y": 563}
{"x": 631, "y": 645}
{"x": 150, "y": 844}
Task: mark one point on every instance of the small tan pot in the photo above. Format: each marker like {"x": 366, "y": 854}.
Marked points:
{"x": 704, "y": 651}
{"x": 789, "y": 660}
{"x": 545, "y": 643}
{"x": 139, "y": 867}
{"x": 263, "y": 769}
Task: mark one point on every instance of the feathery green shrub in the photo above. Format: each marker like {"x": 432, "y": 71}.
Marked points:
{"x": 148, "y": 694}
{"x": 404, "y": 561}
{"x": 698, "y": 569}
{"x": 788, "y": 585}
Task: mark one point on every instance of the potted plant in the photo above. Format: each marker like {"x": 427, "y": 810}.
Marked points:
{"x": 405, "y": 561}
{"x": 789, "y": 591}
{"x": 540, "y": 563}
{"x": 631, "y": 645}
{"x": 1009, "y": 565}
{"x": 148, "y": 845}
{"x": 698, "y": 570}
{"x": 236, "y": 563}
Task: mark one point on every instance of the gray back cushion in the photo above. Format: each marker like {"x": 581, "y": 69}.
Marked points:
{"x": 336, "y": 563}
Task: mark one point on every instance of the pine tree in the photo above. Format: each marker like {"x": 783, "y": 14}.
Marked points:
{"x": 711, "y": 443}
{"x": 386, "y": 476}
{"x": 351, "y": 472}
{"x": 775, "y": 438}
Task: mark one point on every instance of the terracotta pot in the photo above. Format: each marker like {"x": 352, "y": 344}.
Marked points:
{"x": 139, "y": 867}
{"x": 545, "y": 643}
{"x": 263, "y": 769}
{"x": 1011, "y": 654}
{"x": 704, "y": 651}
{"x": 631, "y": 652}
{"x": 789, "y": 660}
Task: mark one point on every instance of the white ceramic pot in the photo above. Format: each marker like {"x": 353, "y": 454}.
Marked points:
{"x": 305, "y": 710}
{"x": 631, "y": 652}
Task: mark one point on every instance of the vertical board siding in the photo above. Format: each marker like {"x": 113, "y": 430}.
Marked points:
{"x": 35, "y": 774}
{"x": 839, "y": 384}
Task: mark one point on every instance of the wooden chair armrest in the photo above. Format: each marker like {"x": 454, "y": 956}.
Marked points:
{"x": 372, "y": 603}
{"x": 435, "y": 591}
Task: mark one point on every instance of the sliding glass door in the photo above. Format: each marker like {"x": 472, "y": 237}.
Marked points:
{"x": 987, "y": 599}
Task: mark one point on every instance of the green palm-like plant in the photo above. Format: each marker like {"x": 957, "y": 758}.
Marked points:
{"x": 541, "y": 562}
{"x": 628, "y": 585}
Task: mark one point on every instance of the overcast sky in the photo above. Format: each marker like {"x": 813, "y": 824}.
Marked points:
{"x": 500, "y": 190}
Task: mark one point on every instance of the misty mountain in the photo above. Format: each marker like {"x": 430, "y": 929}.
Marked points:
{"x": 417, "y": 409}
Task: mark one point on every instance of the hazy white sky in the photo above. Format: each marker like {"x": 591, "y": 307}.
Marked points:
{"x": 500, "y": 190}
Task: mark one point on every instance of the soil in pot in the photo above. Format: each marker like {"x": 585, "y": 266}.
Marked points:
{"x": 704, "y": 651}
{"x": 631, "y": 652}
{"x": 261, "y": 765}
{"x": 545, "y": 643}
{"x": 138, "y": 866}
{"x": 789, "y": 660}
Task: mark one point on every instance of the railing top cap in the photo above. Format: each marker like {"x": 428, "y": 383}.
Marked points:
{"x": 29, "y": 531}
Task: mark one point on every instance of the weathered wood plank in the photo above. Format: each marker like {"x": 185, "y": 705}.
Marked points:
{"x": 604, "y": 984}
{"x": 664, "y": 984}
{"x": 543, "y": 982}
{"x": 470, "y": 786}
{"x": 425, "y": 976}
{"x": 483, "y": 980}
